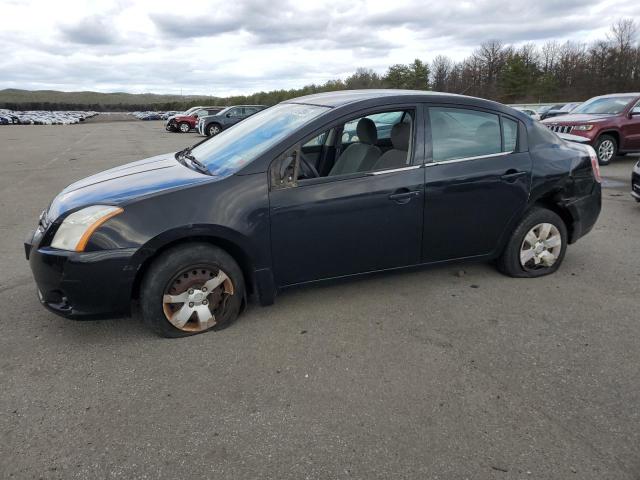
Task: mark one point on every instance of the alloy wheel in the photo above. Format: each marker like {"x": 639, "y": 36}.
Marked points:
{"x": 196, "y": 297}
{"x": 541, "y": 247}
{"x": 605, "y": 151}
{"x": 214, "y": 130}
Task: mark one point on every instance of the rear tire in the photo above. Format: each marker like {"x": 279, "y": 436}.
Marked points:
{"x": 606, "y": 148}
{"x": 533, "y": 249}
{"x": 173, "y": 296}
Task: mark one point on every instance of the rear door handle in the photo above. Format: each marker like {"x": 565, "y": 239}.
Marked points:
{"x": 511, "y": 175}
{"x": 403, "y": 195}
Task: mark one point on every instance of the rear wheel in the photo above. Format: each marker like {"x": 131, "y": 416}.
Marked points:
{"x": 184, "y": 127}
{"x": 537, "y": 245}
{"x": 606, "y": 148}
{"x": 191, "y": 289}
{"x": 213, "y": 129}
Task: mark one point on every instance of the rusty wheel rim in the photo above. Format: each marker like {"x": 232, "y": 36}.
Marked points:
{"x": 196, "y": 298}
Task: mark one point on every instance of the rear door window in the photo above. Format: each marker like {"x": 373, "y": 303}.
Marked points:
{"x": 462, "y": 133}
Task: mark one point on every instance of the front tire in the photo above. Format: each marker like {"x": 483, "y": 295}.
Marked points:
{"x": 184, "y": 127}
{"x": 213, "y": 130}
{"x": 537, "y": 246}
{"x": 606, "y": 148}
{"x": 191, "y": 289}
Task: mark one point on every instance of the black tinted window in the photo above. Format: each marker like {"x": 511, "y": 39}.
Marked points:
{"x": 460, "y": 133}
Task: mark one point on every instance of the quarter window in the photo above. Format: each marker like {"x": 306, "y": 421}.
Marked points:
{"x": 459, "y": 133}
{"x": 509, "y": 134}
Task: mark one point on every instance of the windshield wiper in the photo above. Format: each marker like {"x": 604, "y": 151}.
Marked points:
{"x": 198, "y": 165}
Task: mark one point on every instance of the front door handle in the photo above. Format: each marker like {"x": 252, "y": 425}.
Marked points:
{"x": 404, "y": 195}
{"x": 512, "y": 175}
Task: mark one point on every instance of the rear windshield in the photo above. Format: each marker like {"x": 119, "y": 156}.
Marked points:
{"x": 229, "y": 151}
{"x": 605, "y": 105}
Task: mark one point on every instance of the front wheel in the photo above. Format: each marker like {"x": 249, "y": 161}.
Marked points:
{"x": 606, "y": 148}
{"x": 184, "y": 127}
{"x": 213, "y": 129}
{"x": 191, "y": 289}
{"x": 536, "y": 247}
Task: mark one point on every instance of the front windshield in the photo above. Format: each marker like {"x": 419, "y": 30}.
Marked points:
{"x": 229, "y": 151}
{"x": 604, "y": 105}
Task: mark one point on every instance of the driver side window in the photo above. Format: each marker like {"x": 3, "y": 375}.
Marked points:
{"x": 374, "y": 142}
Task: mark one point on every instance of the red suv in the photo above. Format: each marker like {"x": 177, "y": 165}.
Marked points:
{"x": 184, "y": 122}
{"x": 610, "y": 122}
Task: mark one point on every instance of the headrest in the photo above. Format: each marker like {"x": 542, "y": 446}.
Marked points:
{"x": 400, "y": 136}
{"x": 367, "y": 131}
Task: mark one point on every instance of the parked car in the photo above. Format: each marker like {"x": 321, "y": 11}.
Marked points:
{"x": 610, "y": 122}
{"x": 211, "y": 125}
{"x": 532, "y": 113}
{"x": 281, "y": 200}
{"x": 151, "y": 116}
{"x": 185, "y": 123}
{"x": 554, "y": 112}
{"x": 44, "y": 117}
{"x": 635, "y": 182}
{"x": 545, "y": 108}
{"x": 170, "y": 115}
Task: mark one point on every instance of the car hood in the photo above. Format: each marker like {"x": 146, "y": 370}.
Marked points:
{"x": 209, "y": 117}
{"x": 578, "y": 118}
{"x": 121, "y": 184}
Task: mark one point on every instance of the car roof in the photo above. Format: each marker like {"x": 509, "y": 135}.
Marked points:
{"x": 346, "y": 97}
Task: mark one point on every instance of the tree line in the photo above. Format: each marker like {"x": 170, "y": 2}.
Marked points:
{"x": 569, "y": 71}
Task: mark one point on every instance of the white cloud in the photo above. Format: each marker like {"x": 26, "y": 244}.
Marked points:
{"x": 224, "y": 48}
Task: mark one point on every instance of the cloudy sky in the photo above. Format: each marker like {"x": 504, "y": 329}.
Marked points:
{"x": 222, "y": 48}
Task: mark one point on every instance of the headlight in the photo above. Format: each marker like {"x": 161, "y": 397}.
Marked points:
{"x": 583, "y": 128}
{"x": 77, "y": 228}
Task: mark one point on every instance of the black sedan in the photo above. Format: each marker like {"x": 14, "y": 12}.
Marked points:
{"x": 291, "y": 196}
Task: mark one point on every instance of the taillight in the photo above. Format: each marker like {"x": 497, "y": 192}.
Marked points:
{"x": 595, "y": 166}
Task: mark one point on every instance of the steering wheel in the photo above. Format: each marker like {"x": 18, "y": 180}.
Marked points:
{"x": 308, "y": 170}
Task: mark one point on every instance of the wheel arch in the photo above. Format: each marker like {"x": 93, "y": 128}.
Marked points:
{"x": 612, "y": 133}
{"x": 551, "y": 200}
{"x": 213, "y": 122}
{"x": 228, "y": 241}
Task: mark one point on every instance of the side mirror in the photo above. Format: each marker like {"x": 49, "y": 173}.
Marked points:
{"x": 228, "y": 115}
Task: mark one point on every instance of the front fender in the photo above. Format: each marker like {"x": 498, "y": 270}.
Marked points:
{"x": 223, "y": 236}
